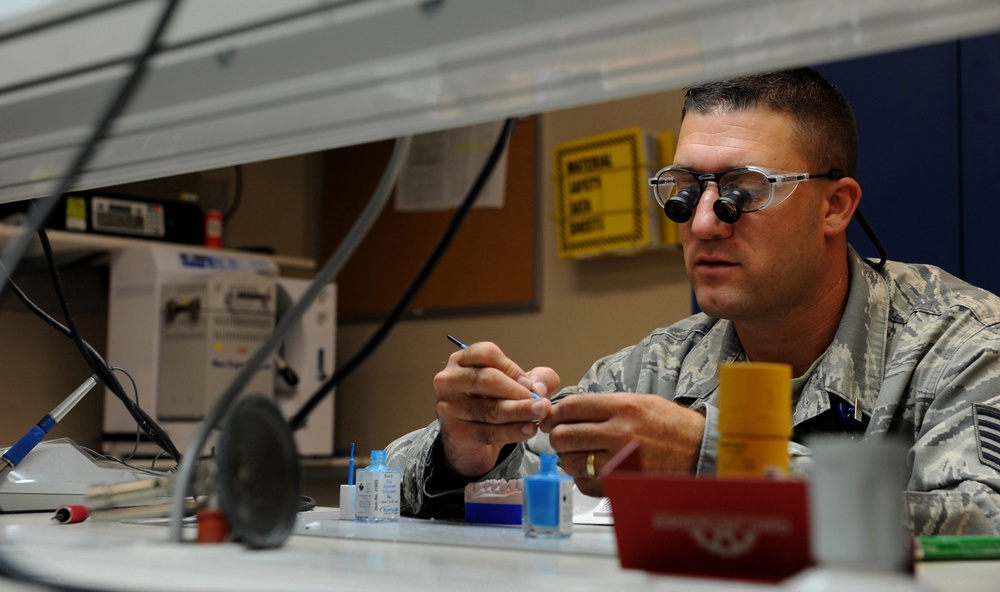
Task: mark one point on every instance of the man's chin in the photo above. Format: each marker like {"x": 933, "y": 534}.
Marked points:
{"x": 715, "y": 307}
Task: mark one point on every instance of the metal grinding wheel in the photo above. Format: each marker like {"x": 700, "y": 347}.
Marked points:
{"x": 259, "y": 477}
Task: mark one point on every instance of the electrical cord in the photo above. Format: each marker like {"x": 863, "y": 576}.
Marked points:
{"x": 14, "y": 251}
{"x": 135, "y": 395}
{"x": 185, "y": 472}
{"x": 97, "y": 365}
{"x": 882, "y": 254}
{"x": 17, "y": 247}
{"x": 94, "y": 357}
{"x": 34, "y": 308}
{"x": 125, "y": 463}
{"x": 44, "y": 315}
{"x": 67, "y": 261}
{"x": 237, "y": 193}
{"x": 392, "y": 317}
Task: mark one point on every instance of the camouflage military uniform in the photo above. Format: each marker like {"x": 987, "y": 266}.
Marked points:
{"x": 916, "y": 351}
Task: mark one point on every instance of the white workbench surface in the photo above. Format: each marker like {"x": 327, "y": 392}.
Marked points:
{"x": 329, "y": 554}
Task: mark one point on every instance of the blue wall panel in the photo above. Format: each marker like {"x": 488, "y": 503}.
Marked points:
{"x": 906, "y": 103}
{"x": 980, "y": 153}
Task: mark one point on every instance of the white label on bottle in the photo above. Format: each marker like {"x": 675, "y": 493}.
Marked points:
{"x": 387, "y": 497}
{"x": 377, "y": 495}
{"x": 364, "y": 504}
{"x": 566, "y": 506}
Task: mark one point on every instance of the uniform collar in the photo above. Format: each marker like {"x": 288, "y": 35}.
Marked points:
{"x": 851, "y": 368}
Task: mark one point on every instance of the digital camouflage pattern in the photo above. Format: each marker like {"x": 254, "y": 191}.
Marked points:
{"x": 917, "y": 349}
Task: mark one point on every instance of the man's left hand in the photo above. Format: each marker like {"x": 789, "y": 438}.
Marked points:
{"x": 669, "y": 435}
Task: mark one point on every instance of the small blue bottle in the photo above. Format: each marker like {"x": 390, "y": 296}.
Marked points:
{"x": 378, "y": 491}
{"x": 548, "y": 502}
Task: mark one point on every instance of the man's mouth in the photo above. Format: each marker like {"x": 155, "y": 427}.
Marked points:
{"x": 712, "y": 262}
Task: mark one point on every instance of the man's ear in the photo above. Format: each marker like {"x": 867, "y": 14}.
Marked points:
{"x": 840, "y": 206}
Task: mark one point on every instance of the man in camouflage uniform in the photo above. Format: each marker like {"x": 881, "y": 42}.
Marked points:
{"x": 901, "y": 350}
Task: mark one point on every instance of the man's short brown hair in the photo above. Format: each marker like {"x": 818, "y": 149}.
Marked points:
{"x": 827, "y": 129}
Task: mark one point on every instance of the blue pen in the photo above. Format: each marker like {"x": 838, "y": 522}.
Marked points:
{"x": 463, "y": 346}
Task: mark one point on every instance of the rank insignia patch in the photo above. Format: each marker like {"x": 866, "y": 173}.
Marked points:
{"x": 988, "y": 434}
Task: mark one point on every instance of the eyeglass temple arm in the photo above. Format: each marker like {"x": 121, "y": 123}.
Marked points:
{"x": 874, "y": 239}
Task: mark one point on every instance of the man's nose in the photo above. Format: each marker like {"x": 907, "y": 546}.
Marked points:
{"x": 705, "y": 224}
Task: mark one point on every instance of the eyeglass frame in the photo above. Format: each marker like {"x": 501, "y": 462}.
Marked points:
{"x": 774, "y": 178}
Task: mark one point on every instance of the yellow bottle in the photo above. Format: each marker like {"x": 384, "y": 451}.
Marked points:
{"x": 755, "y": 419}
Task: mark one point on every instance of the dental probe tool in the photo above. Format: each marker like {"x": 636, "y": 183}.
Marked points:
{"x": 16, "y": 453}
{"x": 463, "y": 346}
{"x": 350, "y": 467}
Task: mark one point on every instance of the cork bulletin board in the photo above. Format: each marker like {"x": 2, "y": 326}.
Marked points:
{"x": 492, "y": 264}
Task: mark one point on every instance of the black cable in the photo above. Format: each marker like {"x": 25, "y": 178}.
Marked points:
{"x": 237, "y": 193}
{"x": 42, "y": 207}
{"x": 96, "y": 362}
{"x": 19, "y": 244}
{"x": 45, "y": 316}
{"x": 882, "y": 254}
{"x": 392, "y": 317}
{"x": 67, "y": 261}
{"x": 265, "y": 352}
{"x": 135, "y": 394}
{"x": 97, "y": 365}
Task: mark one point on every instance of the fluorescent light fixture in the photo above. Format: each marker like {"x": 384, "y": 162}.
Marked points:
{"x": 246, "y": 80}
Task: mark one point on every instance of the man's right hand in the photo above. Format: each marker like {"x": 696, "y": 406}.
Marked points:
{"x": 484, "y": 402}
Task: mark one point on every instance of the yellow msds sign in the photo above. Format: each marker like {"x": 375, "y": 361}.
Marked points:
{"x": 602, "y": 199}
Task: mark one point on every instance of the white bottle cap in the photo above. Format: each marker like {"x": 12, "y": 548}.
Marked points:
{"x": 348, "y": 495}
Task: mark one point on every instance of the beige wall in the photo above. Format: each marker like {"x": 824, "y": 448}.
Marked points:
{"x": 40, "y": 368}
{"x": 587, "y": 308}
